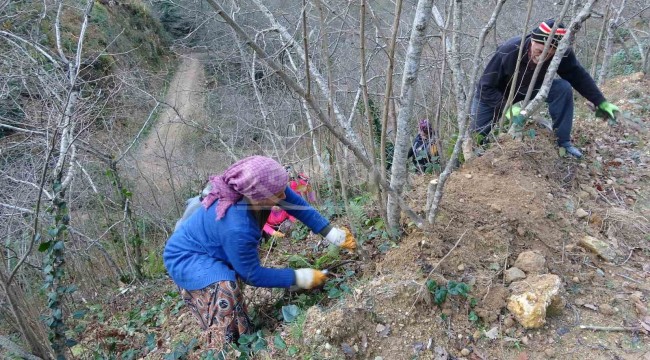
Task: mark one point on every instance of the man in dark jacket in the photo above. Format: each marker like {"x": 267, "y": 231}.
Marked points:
{"x": 494, "y": 86}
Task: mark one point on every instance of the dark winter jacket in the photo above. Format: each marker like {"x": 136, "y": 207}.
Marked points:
{"x": 494, "y": 86}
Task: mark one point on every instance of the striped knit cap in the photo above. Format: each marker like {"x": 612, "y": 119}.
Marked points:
{"x": 541, "y": 33}
{"x": 255, "y": 177}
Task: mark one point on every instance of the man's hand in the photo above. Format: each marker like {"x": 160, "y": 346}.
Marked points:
{"x": 309, "y": 278}
{"x": 607, "y": 110}
{"x": 278, "y": 234}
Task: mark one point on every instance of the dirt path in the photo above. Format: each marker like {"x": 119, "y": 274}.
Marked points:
{"x": 162, "y": 162}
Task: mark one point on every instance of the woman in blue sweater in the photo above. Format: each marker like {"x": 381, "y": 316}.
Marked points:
{"x": 218, "y": 245}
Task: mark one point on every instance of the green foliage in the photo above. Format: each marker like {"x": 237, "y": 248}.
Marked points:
{"x": 172, "y": 19}
{"x": 452, "y": 288}
{"x": 330, "y": 257}
{"x": 338, "y": 286}
{"x": 620, "y": 64}
{"x": 250, "y": 344}
{"x": 154, "y": 266}
{"x": 299, "y": 231}
{"x": 181, "y": 350}
{"x": 290, "y": 313}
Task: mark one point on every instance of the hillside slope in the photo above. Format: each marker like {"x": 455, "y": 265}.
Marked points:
{"x": 519, "y": 196}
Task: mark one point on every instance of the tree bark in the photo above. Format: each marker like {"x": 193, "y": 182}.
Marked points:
{"x": 407, "y": 97}
{"x": 607, "y": 53}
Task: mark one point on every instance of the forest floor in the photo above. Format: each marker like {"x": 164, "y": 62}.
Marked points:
{"x": 519, "y": 196}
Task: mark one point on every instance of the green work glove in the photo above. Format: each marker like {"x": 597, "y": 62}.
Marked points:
{"x": 607, "y": 110}
{"x": 514, "y": 110}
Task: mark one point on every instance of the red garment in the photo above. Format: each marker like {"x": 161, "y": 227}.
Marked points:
{"x": 275, "y": 219}
{"x": 302, "y": 186}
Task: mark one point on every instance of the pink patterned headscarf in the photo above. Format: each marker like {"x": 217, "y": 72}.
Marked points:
{"x": 255, "y": 177}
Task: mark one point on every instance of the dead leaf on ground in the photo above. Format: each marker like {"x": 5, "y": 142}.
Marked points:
{"x": 522, "y": 356}
{"x": 591, "y": 306}
{"x": 492, "y": 333}
{"x": 441, "y": 353}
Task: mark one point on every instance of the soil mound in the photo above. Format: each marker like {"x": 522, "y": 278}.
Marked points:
{"x": 520, "y": 196}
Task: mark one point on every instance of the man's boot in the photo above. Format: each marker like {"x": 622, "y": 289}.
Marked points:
{"x": 570, "y": 149}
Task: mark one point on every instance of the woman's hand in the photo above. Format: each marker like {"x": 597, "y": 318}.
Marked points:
{"x": 278, "y": 234}
{"x": 342, "y": 237}
{"x": 309, "y": 278}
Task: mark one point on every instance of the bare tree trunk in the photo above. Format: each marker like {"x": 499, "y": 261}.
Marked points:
{"x": 389, "y": 86}
{"x": 366, "y": 104}
{"x": 601, "y": 35}
{"x": 607, "y": 53}
{"x": 407, "y": 97}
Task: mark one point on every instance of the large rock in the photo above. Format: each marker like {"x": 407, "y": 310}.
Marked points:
{"x": 598, "y": 247}
{"x": 531, "y": 262}
{"x": 533, "y": 298}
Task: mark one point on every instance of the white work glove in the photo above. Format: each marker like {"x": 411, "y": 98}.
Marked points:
{"x": 342, "y": 237}
{"x": 309, "y": 278}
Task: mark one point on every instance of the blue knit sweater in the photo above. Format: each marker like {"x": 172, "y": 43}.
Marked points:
{"x": 204, "y": 250}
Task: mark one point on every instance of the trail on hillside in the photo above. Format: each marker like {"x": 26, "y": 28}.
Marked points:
{"x": 162, "y": 163}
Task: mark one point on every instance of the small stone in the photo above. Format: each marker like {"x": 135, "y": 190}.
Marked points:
{"x": 581, "y": 213}
{"x": 379, "y": 328}
{"x": 531, "y": 262}
{"x": 525, "y": 340}
{"x": 465, "y": 352}
{"x": 461, "y": 267}
{"x": 549, "y": 196}
{"x": 576, "y": 279}
{"x": 579, "y": 301}
{"x": 379, "y": 358}
{"x": 513, "y": 274}
{"x": 598, "y": 247}
{"x": 550, "y": 353}
{"x": 521, "y": 231}
{"x": 495, "y": 207}
{"x": 606, "y": 309}
{"x": 328, "y": 346}
{"x": 447, "y": 312}
{"x": 508, "y": 322}
{"x": 583, "y": 195}
{"x": 600, "y": 272}
{"x": 562, "y": 331}
{"x": 468, "y": 176}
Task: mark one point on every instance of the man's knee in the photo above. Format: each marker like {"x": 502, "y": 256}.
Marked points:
{"x": 561, "y": 86}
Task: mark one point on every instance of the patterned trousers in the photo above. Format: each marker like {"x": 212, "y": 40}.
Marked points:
{"x": 221, "y": 312}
